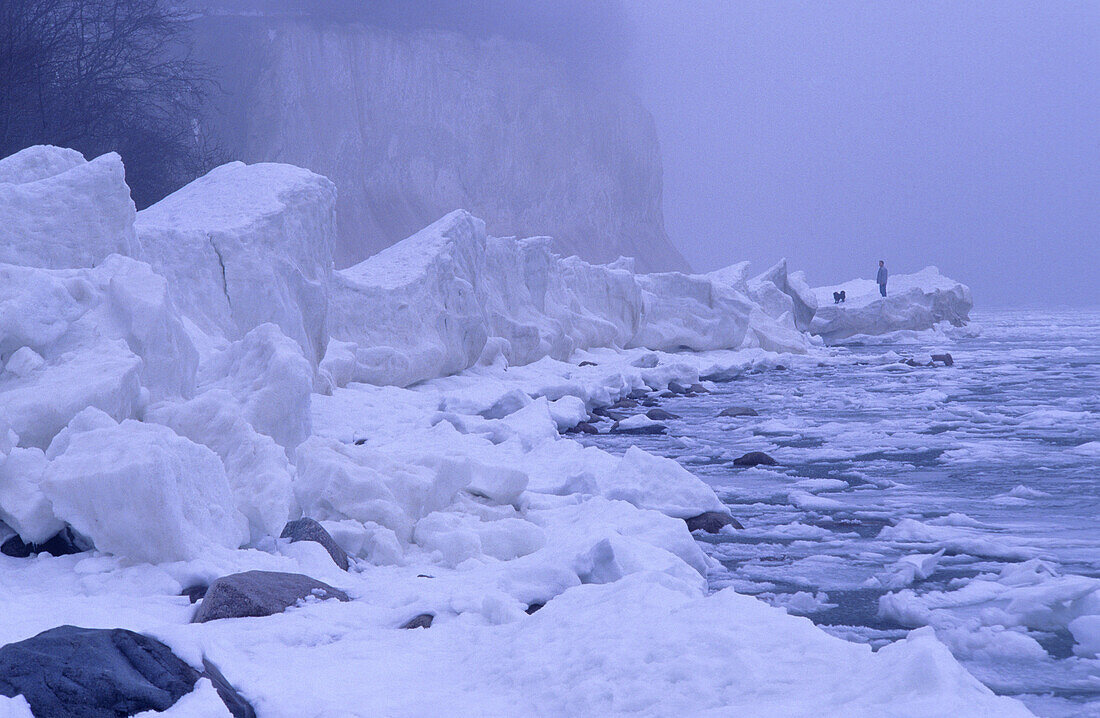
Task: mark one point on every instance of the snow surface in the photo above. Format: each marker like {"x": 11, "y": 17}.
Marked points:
{"x": 165, "y": 411}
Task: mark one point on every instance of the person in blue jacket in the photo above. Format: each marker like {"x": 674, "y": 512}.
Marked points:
{"x": 883, "y": 273}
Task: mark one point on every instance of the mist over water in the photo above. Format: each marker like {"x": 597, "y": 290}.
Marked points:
{"x": 957, "y": 134}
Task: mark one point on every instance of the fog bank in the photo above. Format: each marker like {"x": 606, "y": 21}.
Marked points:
{"x": 957, "y": 134}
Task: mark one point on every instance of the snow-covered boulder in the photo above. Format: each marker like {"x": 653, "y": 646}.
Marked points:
{"x": 108, "y": 337}
{"x": 142, "y": 492}
{"x": 58, "y": 211}
{"x": 245, "y": 245}
{"x": 913, "y": 302}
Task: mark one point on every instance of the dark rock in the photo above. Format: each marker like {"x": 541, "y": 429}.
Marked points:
{"x": 666, "y": 394}
{"x": 62, "y": 544}
{"x": 584, "y": 428}
{"x": 650, "y": 402}
{"x": 196, "y": 592}
{"x": 588, "y": 363}
{"x": 738, "y": 411}
{"x": 306, "y": 529}
{"x": 911, "y": 362}
{"x": 780, "y": 367}
{"x": 624, "y": 404}
{"x": 712, "y": 522}
{"x": 754, "y": 458}
{"x": 70, "y": 672}
{"x": 699, "y": 389}
{"x": 233, "y": 700}
{"x": 608, "y": 414}
{"x": 424, "y": 620}
{"x": 945, "y": 358}
{"x": 260, "y": 593}
{"x": 533, "y": 608}
{"x": 661, "y": 415}
{"x": 638, "y": 394}
{"x": 360, "y": 442}
{"x": 639, "y": 430}
{"x": 678, "y": 388}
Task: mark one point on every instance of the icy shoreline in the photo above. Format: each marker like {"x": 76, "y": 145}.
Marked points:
{"x": 210, "y": 384}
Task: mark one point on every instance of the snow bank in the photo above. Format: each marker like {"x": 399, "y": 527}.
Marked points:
{"x": 450, "y": 297}
{"x": 913, "y": 302}
{"x": 245, "y": 245}
{"x": 436, "y": 298}
{"x": 59, "y": 211}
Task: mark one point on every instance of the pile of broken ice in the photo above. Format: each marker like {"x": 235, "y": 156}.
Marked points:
{"x": 179, "y": 383}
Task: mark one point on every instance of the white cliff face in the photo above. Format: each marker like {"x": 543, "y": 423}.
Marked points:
{"x": 412, "y": 125}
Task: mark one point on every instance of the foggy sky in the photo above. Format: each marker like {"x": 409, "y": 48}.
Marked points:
{"x": 960, "y": 134}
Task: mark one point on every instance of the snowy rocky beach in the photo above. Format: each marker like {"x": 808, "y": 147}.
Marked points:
{"x": 179, "y": 384}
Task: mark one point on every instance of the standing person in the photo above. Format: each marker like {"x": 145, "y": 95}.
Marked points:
{"x": 883, "y": 273}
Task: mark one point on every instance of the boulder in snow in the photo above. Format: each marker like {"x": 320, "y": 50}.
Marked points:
{"x": 712, "y": 522}
{"x": 260, "y": 593}
{"x": 754, "y": 458}
{"x": 70, "y": 672}
{"x": 306, "y": 529}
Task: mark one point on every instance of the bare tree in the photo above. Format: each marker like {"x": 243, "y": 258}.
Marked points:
{"x": 103, "y": 75}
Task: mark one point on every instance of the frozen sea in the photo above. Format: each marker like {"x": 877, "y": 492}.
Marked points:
{"x": 966, "y": 497}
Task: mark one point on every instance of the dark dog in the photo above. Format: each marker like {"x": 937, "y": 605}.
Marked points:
{"x": 838, "y": 297}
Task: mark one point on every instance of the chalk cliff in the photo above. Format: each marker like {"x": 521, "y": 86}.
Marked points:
{"x": 411, "y": 124}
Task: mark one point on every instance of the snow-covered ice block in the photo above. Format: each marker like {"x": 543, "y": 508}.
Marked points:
{"x": 458, "y": 537}
{"x": 23, "y": 506}
{"x": 37, "y": 163}
{"x": 255, "y": 466}
{"x": 690, "y": 312}
{"x": 142, "y": 492}
{"x": 58, "y": 211}
{"x": 104, "y": 374}
{"x": 914, "y": 302}
{"x": 336, "y": 481}
{"x": 267, "y": 375}
{"x": 778, "y": 292}
{"x": 248, "y": 244}
{"x": 424, "y": 316}
{"x": 655, "y": 482}
{"x": 108, "y": 337}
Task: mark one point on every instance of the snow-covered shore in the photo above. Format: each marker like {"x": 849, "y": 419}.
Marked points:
{"x": 177, "y": 406}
